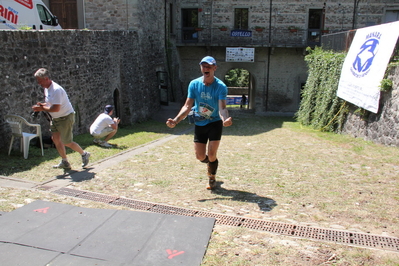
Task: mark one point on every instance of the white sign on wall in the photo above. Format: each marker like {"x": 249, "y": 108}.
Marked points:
{"x": 240, "y": 54}
{"x": 365, "y": 64}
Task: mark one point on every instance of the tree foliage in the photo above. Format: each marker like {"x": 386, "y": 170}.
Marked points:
{"x": 237, "y": 77}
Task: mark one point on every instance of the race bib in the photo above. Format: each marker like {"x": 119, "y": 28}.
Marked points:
{"x": 205, "y": 110}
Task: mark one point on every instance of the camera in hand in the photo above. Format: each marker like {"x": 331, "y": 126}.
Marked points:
{"x": 34, "y": 114}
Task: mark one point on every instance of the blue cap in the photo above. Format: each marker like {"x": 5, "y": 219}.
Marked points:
{"x": 108, "y": 109}
{"x": 208, "y": 59}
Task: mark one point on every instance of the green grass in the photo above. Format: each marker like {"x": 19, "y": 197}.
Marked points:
{"x": 39, "y": 168}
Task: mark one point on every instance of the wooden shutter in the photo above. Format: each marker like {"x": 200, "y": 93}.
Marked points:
{"x": 66, "y": 11}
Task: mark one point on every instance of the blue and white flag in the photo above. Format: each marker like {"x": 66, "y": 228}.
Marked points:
{"x": 365, "y": 64}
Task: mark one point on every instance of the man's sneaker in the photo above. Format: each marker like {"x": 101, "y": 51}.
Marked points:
{"x": 212, "y": 182}
{"x": 63, "y": 165}
{"x": 96, "y": 141}
{"x": 105, "y": 144}
{"x": 85, "y": 158}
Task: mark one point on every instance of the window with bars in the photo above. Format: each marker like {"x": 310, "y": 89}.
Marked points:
{"x": 241, "y": 18}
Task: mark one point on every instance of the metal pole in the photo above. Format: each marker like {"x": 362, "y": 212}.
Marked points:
{"x": 355, "y": 5}
{"x": 268, "y": 57}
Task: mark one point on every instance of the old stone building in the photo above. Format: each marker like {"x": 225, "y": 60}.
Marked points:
{"x": 276, "y": 33}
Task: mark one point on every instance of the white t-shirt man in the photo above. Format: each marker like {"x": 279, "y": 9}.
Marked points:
{"x": 55, "y": 94}
{"x": 101, "y": 127}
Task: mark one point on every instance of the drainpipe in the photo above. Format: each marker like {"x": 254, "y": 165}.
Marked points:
{"x": 127, "y": 15}
{"x": 211, "y": 26}
{"x": 355, "y": 6}
{"x": 169, "y": 53}
{"x": 266, "y": 93}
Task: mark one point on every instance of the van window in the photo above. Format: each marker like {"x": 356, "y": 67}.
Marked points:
{"x": 44, "y": 15}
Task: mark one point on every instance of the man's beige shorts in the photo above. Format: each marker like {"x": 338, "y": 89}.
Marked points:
{"x": 105, "y": 132}
{"x": 64, "y": 125}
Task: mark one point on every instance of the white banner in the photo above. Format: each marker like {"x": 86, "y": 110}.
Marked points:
{"x": 365, "y": 64}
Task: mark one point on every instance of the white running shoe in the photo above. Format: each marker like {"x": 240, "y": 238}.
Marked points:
{"x": 105, "y": 144}
{"x": 63, "y": 165}
{"x": 85, "y": 158}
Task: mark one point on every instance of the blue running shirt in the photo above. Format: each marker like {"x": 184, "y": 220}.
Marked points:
{"x": 206, "y": 99}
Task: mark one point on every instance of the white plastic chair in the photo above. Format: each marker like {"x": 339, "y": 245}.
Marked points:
{"x": 16, "y": 123}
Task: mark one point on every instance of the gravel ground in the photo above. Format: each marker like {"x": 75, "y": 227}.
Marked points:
{"x": 270, "y": 169}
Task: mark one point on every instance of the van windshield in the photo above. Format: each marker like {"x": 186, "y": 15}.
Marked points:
{"x": 44, "y": 15}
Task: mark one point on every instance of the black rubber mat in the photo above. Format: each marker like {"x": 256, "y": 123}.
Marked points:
{"x": 49, "y": 233}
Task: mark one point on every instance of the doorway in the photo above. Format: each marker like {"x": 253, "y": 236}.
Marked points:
{"x": 66, "y": 11}
{"x": 239, "y": 82}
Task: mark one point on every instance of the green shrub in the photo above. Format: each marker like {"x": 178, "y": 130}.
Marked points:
{"x": 25, "y": 27}
{"x": 320, "y": 107}
{"x": 386, "y": 85}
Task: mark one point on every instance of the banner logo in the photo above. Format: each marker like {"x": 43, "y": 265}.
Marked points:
{"x": 364, "y": 59}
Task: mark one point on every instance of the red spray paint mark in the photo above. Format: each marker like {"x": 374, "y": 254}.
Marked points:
{"x": 173, "y": 253}
{"x": 44, "y": 210}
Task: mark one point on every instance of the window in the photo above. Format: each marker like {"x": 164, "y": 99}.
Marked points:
{"x": 190, "y": 17}
{"x": 44, "y": 15}
{"x": 315, "y": 18}
{"x": 241, "y": 18}
{"x": 189, "y": 23}
{"x": 315, "y": 25}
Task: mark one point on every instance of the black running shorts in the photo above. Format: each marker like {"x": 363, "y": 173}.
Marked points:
{"x": 211, "y": 132}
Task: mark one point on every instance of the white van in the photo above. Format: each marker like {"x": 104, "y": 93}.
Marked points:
{"x": 15, "y": 14}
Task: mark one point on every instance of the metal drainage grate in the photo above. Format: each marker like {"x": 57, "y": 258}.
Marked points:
{"x": 320, "y": 234}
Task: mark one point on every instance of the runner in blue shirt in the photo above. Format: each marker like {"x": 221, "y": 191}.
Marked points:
{"x": 207, "y": 102}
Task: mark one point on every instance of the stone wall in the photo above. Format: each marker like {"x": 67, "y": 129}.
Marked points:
{"x": 380, "y": 128}
{"x": 94, "y": 67}
{"x": 146, "y": 16}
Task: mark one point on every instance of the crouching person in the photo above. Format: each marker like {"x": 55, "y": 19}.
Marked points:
{"x": 104, "y": 127}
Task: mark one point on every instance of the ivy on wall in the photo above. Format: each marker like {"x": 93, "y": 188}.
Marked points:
{"x": 320, "y": 107}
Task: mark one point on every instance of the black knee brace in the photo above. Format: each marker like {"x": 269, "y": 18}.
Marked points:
{"x": 213, "y": 167}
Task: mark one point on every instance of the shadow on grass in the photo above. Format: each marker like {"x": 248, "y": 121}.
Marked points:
{"x": 265, "y": 204}
{"x": 16, "y": 162}
{"x": 77, "y": 176}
